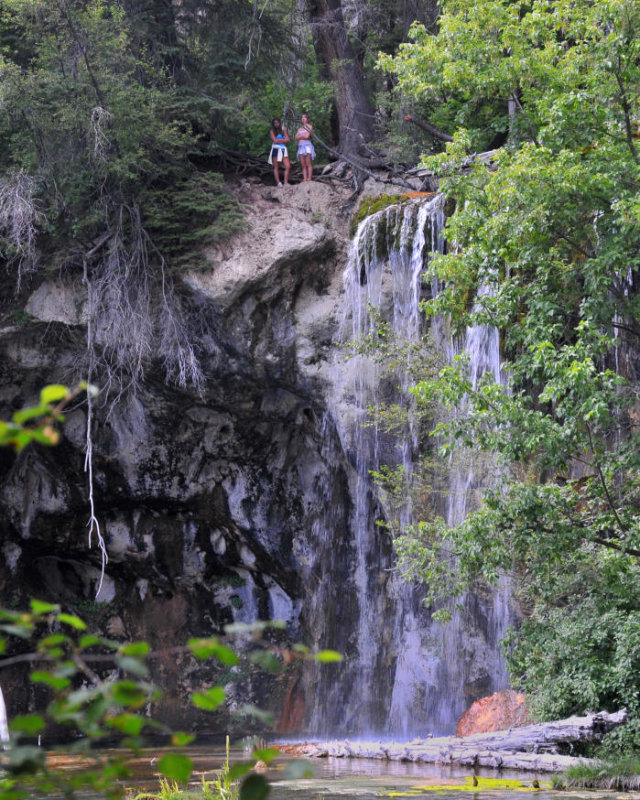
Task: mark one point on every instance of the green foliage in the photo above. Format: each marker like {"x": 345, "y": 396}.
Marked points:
{"x": 100, "y": 127}
{"x": 543, "y": 245}
{"x": 621, "y": 775}
{"x": 36, "y": 423}
{"x": 88, "y": 710}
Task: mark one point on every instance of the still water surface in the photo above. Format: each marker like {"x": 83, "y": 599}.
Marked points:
{"x": 366, "y": 779}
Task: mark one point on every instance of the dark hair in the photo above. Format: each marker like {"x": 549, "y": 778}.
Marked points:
{"x": 273, "y": 125}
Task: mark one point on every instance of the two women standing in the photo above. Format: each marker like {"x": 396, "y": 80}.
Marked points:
{"x": 279, "y": 152}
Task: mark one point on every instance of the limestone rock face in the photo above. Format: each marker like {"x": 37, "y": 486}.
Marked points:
{"x": 214, "y": 506}
{"x": 498, "y": 712}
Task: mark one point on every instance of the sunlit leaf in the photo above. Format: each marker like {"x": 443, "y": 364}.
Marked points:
{"x": 135, "y": 649}
{"x": 130, "y": 724}
{"x": 53, "y": 641}
{"x": 26, "y": 414}
{"x": 328, "y": 656}
{"x": 89, "y": 640}
{"x": 53, "y": 393}
{"x": 72, "y": 621}
{"x": 212, "y": 648}
{"x": 210, "y": 699}
{"x": 39, "y": 607}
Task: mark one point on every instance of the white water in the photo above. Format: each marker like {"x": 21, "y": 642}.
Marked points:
{"x": 4, "y": 726}
{"x": 407, "y": 675}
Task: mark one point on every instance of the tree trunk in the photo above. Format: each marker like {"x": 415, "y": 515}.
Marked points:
{"x": 336, "y": 54}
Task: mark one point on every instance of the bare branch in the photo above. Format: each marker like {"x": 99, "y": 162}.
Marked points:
{"x": 429, "y": 128}
{"x": 19, "y": 220}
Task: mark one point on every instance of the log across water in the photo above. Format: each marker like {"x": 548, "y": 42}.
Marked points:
{"x": 531, "y": 747}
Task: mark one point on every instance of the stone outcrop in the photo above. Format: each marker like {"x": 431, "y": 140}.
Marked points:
{"x": 499, "y": 711}
{"x": 211, "y": 506}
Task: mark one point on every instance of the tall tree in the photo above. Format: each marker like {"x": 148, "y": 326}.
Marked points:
{"x": 335, "y": 51}
{"x": 545, "y": 246}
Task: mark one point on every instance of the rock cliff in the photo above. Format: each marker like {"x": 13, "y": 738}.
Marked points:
{"x": 230, "y": 504}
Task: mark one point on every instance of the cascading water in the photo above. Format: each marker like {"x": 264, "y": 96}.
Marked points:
{"x": 404, "y": 675}
{"x": 4, "y": 726}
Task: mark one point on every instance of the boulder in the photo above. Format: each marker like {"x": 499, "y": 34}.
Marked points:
{"x": 500, "y": 711}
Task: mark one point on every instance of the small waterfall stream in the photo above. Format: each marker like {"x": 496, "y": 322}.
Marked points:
{"x": 4, "y": 725}
{"x": 404, "y": 675}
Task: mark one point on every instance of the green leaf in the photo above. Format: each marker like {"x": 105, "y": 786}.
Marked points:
{"x": 132, "y": 665}
{"x": 53, "y": 641}
{"x": 89, "y": 640}
{"x": 26, "y": 414}
{"x": 128, "y": 693}
{"x": 72, "y": 621}
{"x": 254, "y": 787}
{"x": 328, "y": 656}
{"x": 208, "y": 648}
{"x": 266, "y": 754}
{"x": 175, "y": 766}
{"x": 210, "y": 699}
{"x": 181, "y": 739}
{"x": 266, "y": 660}
{"x": 297, "y": 769}
{"x": 135, "y": 649}
{"x": 53, "y": 393}
{"x": 27, "y": 723}
{"x": 130, "y": 724}
{"x": 240, "y": 769}
{"x": 57, "y": 683}
{"x": 39, "y": 607}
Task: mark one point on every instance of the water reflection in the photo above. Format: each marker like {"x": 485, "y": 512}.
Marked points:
{"x": 364, "y": 779}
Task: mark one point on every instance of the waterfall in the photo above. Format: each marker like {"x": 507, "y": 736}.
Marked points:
{"x": 4, "y": 726}
{"x": 404, "y": 675}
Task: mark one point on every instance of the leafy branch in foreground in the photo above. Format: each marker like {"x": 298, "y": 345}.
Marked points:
{"x": 88, "y": 710}
{"x": 37, "y": 423}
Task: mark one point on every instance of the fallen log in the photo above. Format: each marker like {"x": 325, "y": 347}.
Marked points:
{"x": 532, "y": 747}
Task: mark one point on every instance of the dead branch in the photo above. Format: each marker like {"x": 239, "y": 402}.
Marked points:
{"x": 429, "y": 128}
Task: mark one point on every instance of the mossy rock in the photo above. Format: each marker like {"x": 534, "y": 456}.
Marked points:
{"x": 375, "y": 203}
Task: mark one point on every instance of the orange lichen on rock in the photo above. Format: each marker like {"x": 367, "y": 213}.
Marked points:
{"x": 500, "y": 711}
